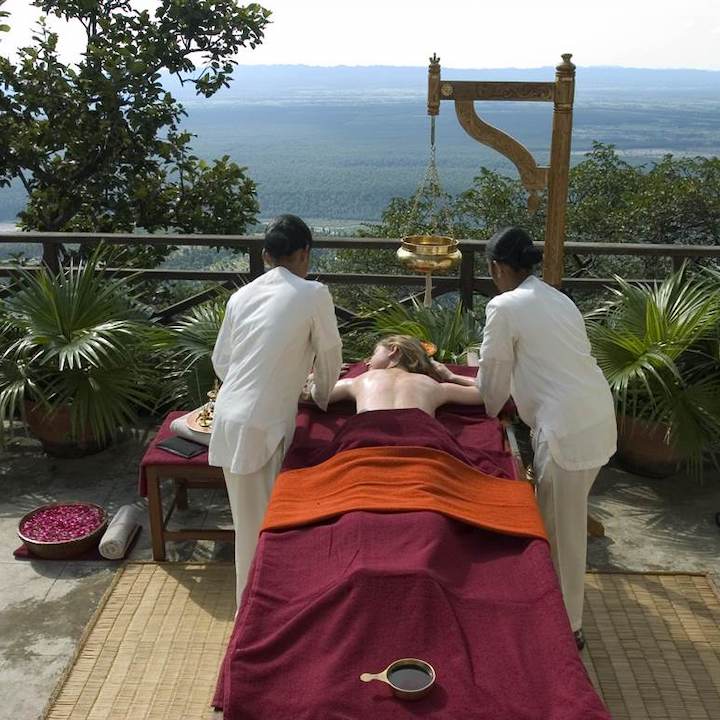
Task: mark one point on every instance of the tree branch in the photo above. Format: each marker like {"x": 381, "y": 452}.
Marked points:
{"x": 24, "y": 181}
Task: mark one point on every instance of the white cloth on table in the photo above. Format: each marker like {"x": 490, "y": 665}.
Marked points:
{"x": 249, "y": 495}
{"x": 535, "y": 348}
{"x": 179, "y": 427}
{"x": 563, "y": 499}
{"x": 120, "y": 532}
{"x": 276, "y": 329}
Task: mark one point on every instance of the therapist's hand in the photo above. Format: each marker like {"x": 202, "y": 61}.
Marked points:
{"x": 448, "y": 376}
{"x": 306, "y": 393}
{"x": 442, "y": 371}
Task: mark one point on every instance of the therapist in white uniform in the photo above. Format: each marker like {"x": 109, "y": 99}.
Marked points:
{"x": 275, "y": 330}
{"x": 535, "y": 348}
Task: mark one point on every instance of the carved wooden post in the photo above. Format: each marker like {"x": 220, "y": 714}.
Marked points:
{"x": 553, "y": 260}
{"x": 433, "y": 103}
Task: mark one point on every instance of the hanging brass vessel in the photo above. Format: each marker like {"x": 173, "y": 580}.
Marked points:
{"x": 429, "y": 253}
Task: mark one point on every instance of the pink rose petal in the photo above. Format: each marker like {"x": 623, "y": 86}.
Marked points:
{"x": 62, "y": 523}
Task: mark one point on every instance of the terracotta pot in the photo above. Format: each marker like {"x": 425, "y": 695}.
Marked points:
{"x": 643, "y": 448}
{"x": 53, "y": 431}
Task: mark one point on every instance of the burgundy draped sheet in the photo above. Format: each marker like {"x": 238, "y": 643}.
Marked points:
{"x": 465, "y": 433}
{"x": 327, "y": 602}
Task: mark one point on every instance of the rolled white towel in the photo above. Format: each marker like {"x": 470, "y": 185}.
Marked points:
{"x": 179, "y": 427}
{"x": 120, "y": 532}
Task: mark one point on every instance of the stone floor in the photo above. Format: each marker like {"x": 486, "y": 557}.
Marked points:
{"x": 44, "y": 605}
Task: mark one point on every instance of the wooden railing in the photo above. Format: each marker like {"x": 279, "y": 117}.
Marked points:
{"x": 465, "y": 281}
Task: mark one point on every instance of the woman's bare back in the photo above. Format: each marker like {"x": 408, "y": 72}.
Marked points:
{"x": 395, "y": 389}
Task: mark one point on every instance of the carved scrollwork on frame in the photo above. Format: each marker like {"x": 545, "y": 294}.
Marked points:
{"x": 525, "y": 91}
{"x": 533, "y": 177}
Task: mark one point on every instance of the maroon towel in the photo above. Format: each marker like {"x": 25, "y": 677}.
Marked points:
{"x": 157, "y": 456}
{"x": 471, "y": 437}
{"x": 327, "y": 603}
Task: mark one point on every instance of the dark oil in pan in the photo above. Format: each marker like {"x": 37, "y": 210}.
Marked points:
{"x": 409, "y": 677}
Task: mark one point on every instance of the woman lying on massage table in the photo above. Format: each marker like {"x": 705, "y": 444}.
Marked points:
{"x": 392, "y": 534}
{"x": 401, "y": 375}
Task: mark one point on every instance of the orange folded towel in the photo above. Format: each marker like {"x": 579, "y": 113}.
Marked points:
{"x": 396, "y": 479}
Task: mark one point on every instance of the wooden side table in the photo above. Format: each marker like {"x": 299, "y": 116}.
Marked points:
{"x": 189, "y": 477}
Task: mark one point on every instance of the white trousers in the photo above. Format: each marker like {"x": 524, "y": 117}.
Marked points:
{"x": 249, "y": 496}
{"x": 563, "y": 499}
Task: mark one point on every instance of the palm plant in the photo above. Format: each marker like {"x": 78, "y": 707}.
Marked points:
{"x": 657, "y": 346}
{"x": 75, "y": 340}
{"x": 449, "y": 328}
{"x": 190, "y": 342}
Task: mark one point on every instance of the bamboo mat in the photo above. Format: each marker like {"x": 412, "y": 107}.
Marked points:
{"x": 653, "y": 645}
{"x": 154, "y": 647}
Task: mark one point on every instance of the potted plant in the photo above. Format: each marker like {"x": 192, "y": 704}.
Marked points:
{"x": 655, "y": 345}
{"x": 452, "y": 330}
{"x": 74, "y": 356}
{"x": 189, "y": 343}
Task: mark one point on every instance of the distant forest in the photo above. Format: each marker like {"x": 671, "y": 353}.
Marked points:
{"x": 337, "y": 144}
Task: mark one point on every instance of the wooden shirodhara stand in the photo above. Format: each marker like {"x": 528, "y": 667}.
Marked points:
{"x": 534, "y": 178}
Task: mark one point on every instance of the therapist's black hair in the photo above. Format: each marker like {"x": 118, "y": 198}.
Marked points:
{"x": 285, "y": 235}
{"x": 514, "y": 247}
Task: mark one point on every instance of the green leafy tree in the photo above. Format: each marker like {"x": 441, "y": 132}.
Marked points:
{"x": 679, "y": 202}
{"x": 675, "y": 200}
{"x": 98, "y": 144}
{"x": 603, "y": 190}
{"x": 3, "y": 14}
{"x": 495, "y": 201}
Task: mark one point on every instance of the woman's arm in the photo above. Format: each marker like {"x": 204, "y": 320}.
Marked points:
{"x": 460, "y": 394}
{"x": 343, "y": 390}
{"x": 327, "y": 347}
{"x": 447, "y": 376}
{"x": 497, "y": 355}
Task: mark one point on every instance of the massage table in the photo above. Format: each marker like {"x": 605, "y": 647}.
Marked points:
{"x": 389, "y": 535}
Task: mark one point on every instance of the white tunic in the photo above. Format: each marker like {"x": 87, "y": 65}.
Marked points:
{"x": 535, "y": 348}
{"x": 275, "y": 330}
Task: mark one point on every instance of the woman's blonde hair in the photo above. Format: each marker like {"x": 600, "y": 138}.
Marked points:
{"x": 411, "y": 355}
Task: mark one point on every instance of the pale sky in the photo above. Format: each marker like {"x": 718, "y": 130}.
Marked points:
{"x": 464, "y": 33}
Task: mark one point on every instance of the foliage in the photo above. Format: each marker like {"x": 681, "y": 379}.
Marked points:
{"x": 658, "y": 348}
{"x": 98, "y": 145}
{"x": 3, "y": 14}
{"x": 429, "y": 211}
{"x": 450, "y": 329}
{"x": 359, "y": 262}
{"x": 493, "y": 202}
{"x": 358, "y": 343}
{"x": 76, "y": 339}
{"x": 189, "y": 343}
{"x": 675, "y": 200}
